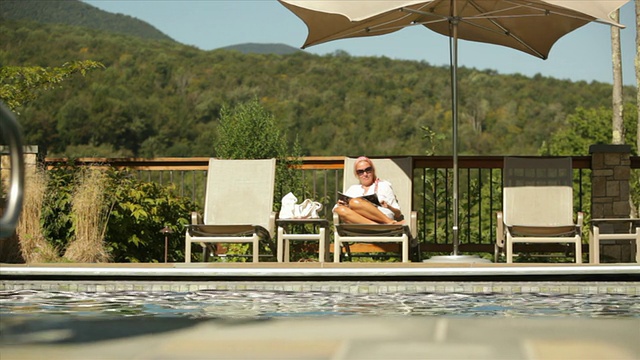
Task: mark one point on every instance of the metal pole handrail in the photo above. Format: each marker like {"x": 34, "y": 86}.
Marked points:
{"x": 308, "y": 162}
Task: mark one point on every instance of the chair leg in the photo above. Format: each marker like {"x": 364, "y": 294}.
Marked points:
{"x": 578, "y": 251}
{"x": 322, "y": 239}
{"x": 187, "y": 250}
{"x": 280, "y": 244}
{"x": 255, "y": 248}
{"x": 415, "y": 254}
{"x": 347, "y": 250}
{"x": 638, "y": 245}
{"x": 207, "y": 251}
{"x": 336, "y": 248}
{"x": 405, "y": 248}
{"x": 509, "y": 246}
{"x": 594, "y": 247}
{"x": 287, "y": 251}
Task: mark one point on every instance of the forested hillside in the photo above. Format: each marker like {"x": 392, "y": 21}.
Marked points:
{"x": 251, "y": 48}
{"x": 161, "y": 98}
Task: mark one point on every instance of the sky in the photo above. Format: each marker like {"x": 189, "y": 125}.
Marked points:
{"x": 584, "y": 54}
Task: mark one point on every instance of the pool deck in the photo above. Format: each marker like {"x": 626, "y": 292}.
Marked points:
{"x": 324, "y": 338}
{"x": 337, "y": 277}
{"x": 469, "y": 270}
{"x": 357, "y": 337}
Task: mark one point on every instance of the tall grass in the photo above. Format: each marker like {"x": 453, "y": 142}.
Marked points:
{"x": 34, "y": 248}
{"x": 89, "y": 218}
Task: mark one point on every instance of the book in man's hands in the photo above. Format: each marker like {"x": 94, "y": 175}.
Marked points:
{"x": 373, "y": 198}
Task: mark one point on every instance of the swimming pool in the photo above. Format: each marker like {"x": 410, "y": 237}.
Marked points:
{"x": 254, "y": 304}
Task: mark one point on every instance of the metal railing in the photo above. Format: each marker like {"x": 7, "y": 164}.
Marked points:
{"x": 480, "y": 194}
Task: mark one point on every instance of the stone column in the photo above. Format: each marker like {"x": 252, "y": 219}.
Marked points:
{"x": 610, "y": 174}
{"x": 32, "y": 157}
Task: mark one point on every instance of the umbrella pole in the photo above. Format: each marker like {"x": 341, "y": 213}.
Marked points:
{"x": 455, "y": 258}
{"x": 454, "y": 106}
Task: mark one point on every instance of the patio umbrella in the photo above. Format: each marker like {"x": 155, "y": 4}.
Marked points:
{"x": 531, "y": 26}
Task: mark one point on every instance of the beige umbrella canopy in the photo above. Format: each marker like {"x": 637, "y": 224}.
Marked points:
{"x": 531, "y": 26}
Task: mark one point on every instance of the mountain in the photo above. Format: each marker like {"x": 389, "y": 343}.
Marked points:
{"x": 77, "y": 13}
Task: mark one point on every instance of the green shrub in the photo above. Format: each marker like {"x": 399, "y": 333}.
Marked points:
{"x": 140, "y": 210}
{"x": 137, "y": 212}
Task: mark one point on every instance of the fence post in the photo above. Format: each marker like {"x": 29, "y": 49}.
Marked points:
{"x": 610, "y": 174}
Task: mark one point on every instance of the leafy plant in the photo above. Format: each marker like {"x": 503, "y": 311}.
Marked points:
{"x": 249, "y": 131}
{"x": 137, "y": 211}
{"x": 20, "y": 85}
{"x": 56, "y": 211}
{"x": 141, "y": 210}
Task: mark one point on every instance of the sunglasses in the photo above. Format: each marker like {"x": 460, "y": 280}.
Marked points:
{"x": 366, "y": 170}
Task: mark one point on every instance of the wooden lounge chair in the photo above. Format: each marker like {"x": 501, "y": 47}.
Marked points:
{"x": 399, "y": 172}
{"x": 538, "y": 205}
{"x": 238, "y": 205}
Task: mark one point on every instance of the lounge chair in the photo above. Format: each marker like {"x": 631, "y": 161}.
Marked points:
{"x": 399, "y": 172}
{"x": 238, "y": 205}
{"x": 538, "y": 205}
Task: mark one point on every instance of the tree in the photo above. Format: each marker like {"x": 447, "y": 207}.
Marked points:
{"x": 148, "y": 103}
{"x": 635, "y": 199}
{"x": 638, "y": 71}
{"x": 248, "y": 131}
{"x": 20, "y": 85}
{"x": 585, "y": 128}
{"x": 617, "y": 120}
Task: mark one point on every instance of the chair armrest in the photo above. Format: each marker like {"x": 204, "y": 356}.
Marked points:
{"x": 196, "y": 218}
{"x": 580, "y": 222}
{"x": 500, "y": 229}
{"x": 336, "y": 219}
{"x": 272, "y": 224}
{"x": 414, "y": 224}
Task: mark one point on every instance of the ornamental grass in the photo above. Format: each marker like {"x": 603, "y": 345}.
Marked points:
{"x": 89, "y": 215}
{"x": 34, "y": 247}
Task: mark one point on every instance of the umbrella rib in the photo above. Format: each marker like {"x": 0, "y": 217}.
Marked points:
{"x": 509, "y": 34}
{"x": 365, "y": 29}
{"x": 504, "y": 30}
{"x": 546, "y": 12}
{"x": 383, "y": 26}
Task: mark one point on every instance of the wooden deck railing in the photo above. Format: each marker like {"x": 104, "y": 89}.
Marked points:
{"x": 479, "y": 195}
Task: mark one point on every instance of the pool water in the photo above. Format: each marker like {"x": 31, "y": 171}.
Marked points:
{"x": 270, "y": 304}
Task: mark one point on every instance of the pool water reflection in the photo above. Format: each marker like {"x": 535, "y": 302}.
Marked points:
{"x": 271, "y": 304}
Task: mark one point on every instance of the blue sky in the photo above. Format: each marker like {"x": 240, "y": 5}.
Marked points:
{"x": 584, "y": 54}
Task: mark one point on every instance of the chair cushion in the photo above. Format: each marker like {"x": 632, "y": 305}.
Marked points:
{"x": 524, "y": 230}
{"x": 372, "y": 230}
{"x": 227, "y": 230}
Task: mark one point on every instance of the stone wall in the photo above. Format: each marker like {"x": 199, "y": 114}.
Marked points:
{"x": 610, "y": 174}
